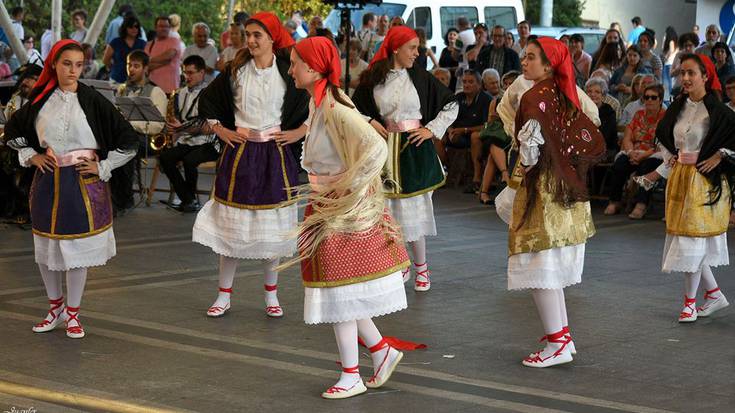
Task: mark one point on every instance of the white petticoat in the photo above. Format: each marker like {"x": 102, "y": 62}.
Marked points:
{"x": 66, "y": 254}
{"x": 689, "y": 254}
{"x": 358, "y": 301}
{"x": 553, "y": 268}
{"x": 247, "y": 233}
{"x": 415, "y": 215}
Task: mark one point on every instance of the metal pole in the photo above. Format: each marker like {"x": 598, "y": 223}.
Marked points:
{"x": 100, "y": 17}
{"x": 56, "y": 19}
{"x": 346, "y": 23}
{"x": 230, "y": 11}
{"x": 547, "y": 11}
{"x": 15, "y": 43}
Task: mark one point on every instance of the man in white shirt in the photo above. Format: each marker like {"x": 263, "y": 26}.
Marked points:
{"x": 367, "y": 36}
{"x": 524, "y": 30}
{"x": 202, "y": 47}
{"x": 466, "y": 36}
{"x": 47, "y": 42}
{"x": 17, "y": 14}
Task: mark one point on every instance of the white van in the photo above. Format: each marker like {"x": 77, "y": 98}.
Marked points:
{"x": 436, "y": 18}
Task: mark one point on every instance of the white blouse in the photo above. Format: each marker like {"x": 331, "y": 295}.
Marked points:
{"x": 258, "y": 96}
{"x": 398, "y": 100}
{"x": 319, "y": 156}
{"x": 62, "y": 126}
{"x": 689, "y": 132}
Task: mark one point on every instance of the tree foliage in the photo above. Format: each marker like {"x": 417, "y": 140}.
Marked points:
{"x": 212, "y": 12}
{"x": 566, "y": 13}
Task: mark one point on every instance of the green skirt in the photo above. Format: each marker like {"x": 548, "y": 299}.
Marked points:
{"x": 411, "y": 170}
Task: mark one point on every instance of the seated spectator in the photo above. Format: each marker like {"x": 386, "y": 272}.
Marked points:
{"x": 202, "y": 47}
{"x": 638, "y": 153}
{"x": 239, "y": 18}
{"x": 596, "y": 89}
{"x": 129, "y": 39}
{"x": 581, "y": 61}
{"x": 34, "y": 56}
{"x": 237, "y": 42}
{"x": 79, "y": 21}
{"x": 730, "y": 93}
{"x": 621, "y": 81}
{"x": 442, "y": 75}
{"x": 508, "y": 79}
{"x": 722, "y": 57}
{"x": 425, "y": 53}
{"x": 495, "y": 144}
{"x": 498, "y": 56}
{"x": 491, "y": 83}
{"x": 465, "y": 131}
{"x": 451, "y": 55}
{"x": 293, "y": 29}
{"x": 509, "y": 39}
{"x": 712, "y": 35}
{"x": 649, "y": 59}
{"x": 607, "y": 63}
{"x": 633, "y": 106}
{"x": 357, "y": 65}
{"x": 192, "y": 147}
{"x": 91, "y": 67}
{"x": 614, "y": 42}
{"x": 565, "y": 40}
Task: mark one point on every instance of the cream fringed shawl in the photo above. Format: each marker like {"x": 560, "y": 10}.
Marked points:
{"x": 354, "y": 203}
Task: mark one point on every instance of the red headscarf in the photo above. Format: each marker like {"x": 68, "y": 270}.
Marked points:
{"x": 281, "y": 38}
{"x": 321, "y": 55}
{"x": 713, "y": 82}
{"x": 397, "y": 36}
{"x": 561, "y": 63}
{"x": 48, "y": 80}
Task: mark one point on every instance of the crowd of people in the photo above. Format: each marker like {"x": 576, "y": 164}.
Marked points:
{"x": 534, "y": 114}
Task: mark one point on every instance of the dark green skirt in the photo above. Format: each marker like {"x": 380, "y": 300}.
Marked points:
{"x": 411, "y": 170}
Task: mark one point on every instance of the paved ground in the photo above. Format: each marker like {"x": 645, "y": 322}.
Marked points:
{"x": 150, "y": 346}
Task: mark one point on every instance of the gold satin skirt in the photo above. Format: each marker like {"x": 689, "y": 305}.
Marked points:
{"x": 548, "y": 224}
{"x": 687, "y": 193}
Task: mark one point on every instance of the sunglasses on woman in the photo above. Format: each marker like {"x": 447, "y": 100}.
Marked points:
{"x": 650, "y": 97}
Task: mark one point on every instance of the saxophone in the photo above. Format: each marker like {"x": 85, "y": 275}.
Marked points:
{"x": 11, "y": 109}
{"x": 165, "y": 139}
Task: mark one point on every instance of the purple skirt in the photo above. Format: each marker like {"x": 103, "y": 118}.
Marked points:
{"x": 256, "y": 175}
{"x": 67, "y": 205}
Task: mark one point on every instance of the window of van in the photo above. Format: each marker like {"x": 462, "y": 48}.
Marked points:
{"x": 504, "y": 16}
{"x": 421, "y": 18}
{"x": 332, "y": 21}
{"x": 449, "y": 16}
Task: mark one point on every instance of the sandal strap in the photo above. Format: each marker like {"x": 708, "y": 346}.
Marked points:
{"x": 708, "y": 294}
{"x": 273, "y": 309}
{"x": 351, "y": 370}
{"x": 273, "y": 287}
{"x": 383, "y": 343}
{"x": 226, "y": 290}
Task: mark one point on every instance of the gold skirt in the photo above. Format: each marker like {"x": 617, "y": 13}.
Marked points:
{"x": 687, "y": 193}
{"x": 548, "y": 224}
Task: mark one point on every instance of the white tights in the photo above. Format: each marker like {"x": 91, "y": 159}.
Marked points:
{"x": 346, "y": 334}
{"x": 692, "y": 280}
{"x": 227, "y": 269}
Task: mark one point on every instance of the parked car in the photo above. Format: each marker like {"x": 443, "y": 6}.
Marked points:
{"x": 592, "y": 36}
{"x": 435, "y": 18}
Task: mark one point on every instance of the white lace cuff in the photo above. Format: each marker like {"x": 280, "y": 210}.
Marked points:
{"x": 25, "y": 155}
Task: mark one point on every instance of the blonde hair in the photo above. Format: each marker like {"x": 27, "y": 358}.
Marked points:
{"x": 175, "y": 21}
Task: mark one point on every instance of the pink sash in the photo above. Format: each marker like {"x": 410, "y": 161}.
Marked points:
{"x": 73, "y": 157}
{"x": 402, "y": 126}
{"x": 259, "y": 136}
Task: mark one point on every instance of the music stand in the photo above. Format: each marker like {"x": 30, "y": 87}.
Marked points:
{"x": 104, "y": 87}
{"x": 140, "y": 109}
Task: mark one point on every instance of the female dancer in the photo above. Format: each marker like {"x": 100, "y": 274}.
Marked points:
{"x": 696, "y": 134}
{"x": 352, "y": 253}
{"x": 408, "y": 107}
{"x": 75, "y": 138}
{"x": 550, "y": 218}
{"x": 257, "y": 111}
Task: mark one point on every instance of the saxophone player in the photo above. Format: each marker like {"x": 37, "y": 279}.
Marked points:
{"x": 191, "y": 146}
{"x": 15, "y": 181}
{"x": 137, "y": 85}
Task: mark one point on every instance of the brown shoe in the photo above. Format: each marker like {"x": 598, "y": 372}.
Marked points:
{"x": 639, "y": 211}
{"x": 612, "y": 208}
